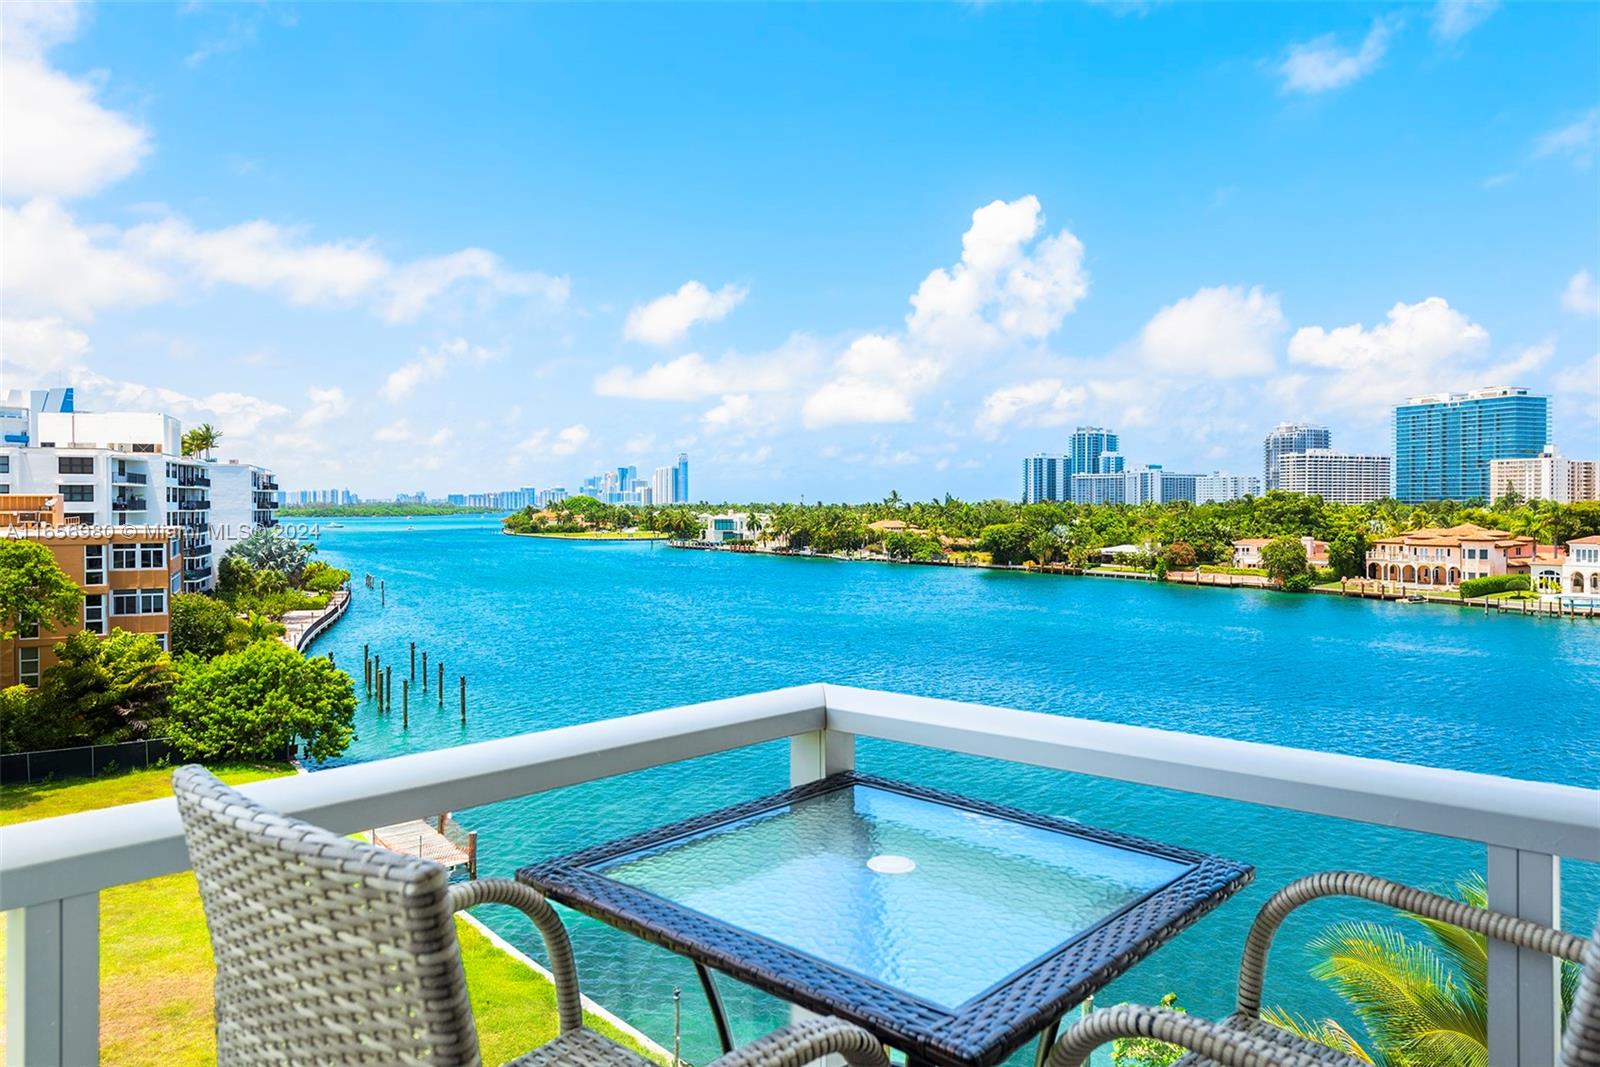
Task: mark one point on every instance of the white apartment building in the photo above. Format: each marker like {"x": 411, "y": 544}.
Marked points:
{"x": 244, "y": 498}
{"x": 1337, "y": 477}
{"x": 1547, "y": 476}
{"x": 1219, "y": 487}
{"x": 661, "y": 485}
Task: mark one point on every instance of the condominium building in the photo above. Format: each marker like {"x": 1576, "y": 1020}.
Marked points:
{"x": 1094, "y": 450}
{"x": 1547, "y": 476}
{"x": 127, "y": 572}
{"x": 1287, "y": 438}
{"x": 1337, "y": 477}
{"x": 1444, "y": 442}
{"x": 1046, "y": 477}
{"x": 680, "y": 489}
{"x": 1448, "y": 555}
{"x": 1050, "y": 476}
{"x": 1146, "y": 484}
{"x": 1220, "y": 487}
{"x": 244, "y": 499}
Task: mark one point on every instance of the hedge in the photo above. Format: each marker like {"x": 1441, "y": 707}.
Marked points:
{"x": 1495, "y": 583}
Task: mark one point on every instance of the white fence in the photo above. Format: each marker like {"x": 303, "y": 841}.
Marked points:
{"x": 52, "y": 871}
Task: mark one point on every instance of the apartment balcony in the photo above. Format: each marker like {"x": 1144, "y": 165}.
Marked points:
{"x": 130, "y": 479}
{"x": 132, "y": 503}
{"x": 53, "y": 871}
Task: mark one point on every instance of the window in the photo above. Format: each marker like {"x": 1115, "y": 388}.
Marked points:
{"x": 124, "y": 557}
{"x": 125, "y": 602}
{"x": 172, "y": 548}
{"x": 152, "y": 601}
{"x": 75, "y": 465}
{"x": 82, "y": 518}
{"x": 27, "y": 627}
{"x": 177, "y": 581}
{"x": 77, "y": 493}
{"x": 94, "y": 613}
{"x": 153, "y": 557}
{"x": 5, "y": 464}
{"x": 94, "y": 564}
{"x": 161, "y": 639}
{"x": 28, "y": 666}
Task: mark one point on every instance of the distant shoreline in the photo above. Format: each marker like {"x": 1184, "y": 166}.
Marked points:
{"x": 610, "y": 536}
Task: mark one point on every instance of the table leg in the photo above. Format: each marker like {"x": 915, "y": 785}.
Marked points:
{"x": 714, "y": 999}
{"x": 1047, "y": 1041}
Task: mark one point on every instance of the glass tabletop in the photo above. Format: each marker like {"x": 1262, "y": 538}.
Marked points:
{"x": 927, "y": 897}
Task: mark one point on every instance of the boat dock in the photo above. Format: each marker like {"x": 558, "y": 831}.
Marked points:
{"x": 432, "y": 839}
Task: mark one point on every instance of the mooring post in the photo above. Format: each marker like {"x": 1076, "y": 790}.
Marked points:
{"x": 383, "y": 593}
{"x": 405, "y": 704}
{"x": 441, "y": 683}
{"x": 463, "y": 700}
{"x": 424, "y": 672}
{"x": 413, "y": 661}
{"x": 472, "y": 853}
{"x": 388, "y": 689}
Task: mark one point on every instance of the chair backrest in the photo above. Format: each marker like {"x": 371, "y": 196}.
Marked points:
{"x": 328, "y": 950}
{"x": 1580, "y": 1045}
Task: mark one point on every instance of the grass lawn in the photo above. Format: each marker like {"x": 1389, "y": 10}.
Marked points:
{"x": 155, "y": 957}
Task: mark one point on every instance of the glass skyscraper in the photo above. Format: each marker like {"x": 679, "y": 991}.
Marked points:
{"x": 1287, "y": 437}
{"x": 680, "y": 480}
{"x": 1443, "y": 443}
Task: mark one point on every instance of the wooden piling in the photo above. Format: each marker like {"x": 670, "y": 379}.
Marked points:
{"x": 472, "y": 853}
{"x": 330, "y": 660}
{"x": 424, "y": 672}
{"x": 443, "y": 818}
{"x": 405, "y": 704}
{"x": 366, "y": 668}
{"x": 388, "y": 689}
{"x": 441, "y": 683}
{"x": 463, "y": 700}
{"x": 413, "y": 661}
{"x": 383, "y": 594}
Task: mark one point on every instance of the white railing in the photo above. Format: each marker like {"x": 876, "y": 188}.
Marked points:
{"x": 52, "y": 871}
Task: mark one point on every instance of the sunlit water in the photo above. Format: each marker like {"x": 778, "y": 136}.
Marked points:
{"x": 551, "y": 633}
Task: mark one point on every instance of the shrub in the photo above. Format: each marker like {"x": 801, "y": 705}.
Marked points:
{"x": 1297, "y": 583}
{"x": 253, "y": 703}
{"x": 1006, "y": 542}
{"x": 1495, "y": 583}
{"x": 319, "y": 577}
{"x": 101, "y": 690}
{"x": 1284, "y": 558}
{"x": 1181, "y": 556}
{"x": 200, "y": 625}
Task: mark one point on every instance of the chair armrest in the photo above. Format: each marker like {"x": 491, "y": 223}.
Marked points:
{"x": 1230, "y": 1048}
{"x": 563, "y": 968}
{"x": 802, "y": 1042}
{"x": 1520, "y": 932}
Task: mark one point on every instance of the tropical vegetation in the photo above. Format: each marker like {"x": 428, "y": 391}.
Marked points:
{"x": 200, "y": 440}
{"x": 252, "y": 704}
{"x": 34, "y": 590}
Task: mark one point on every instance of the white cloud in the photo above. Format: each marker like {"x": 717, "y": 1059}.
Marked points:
{"x": 1419, "y": 348}
{"x": 735, "y": 410}
{"x": 1045, "y": 402}
{"x": 1582, "y": 295}
{"x": 1577, "y": 141}
{"x": 431, "y": 363}
{"x": 693, "y": 377}
{"x": 413, "y": 288}
{"x": 563, "y": 442}
{"x": 41, "y": 347}
{"x": 667, "y": 319}
{"x": 1001, "y": 290}
{"x": 59, "y": 141}
{"x": 263, "y": 255}
{"x": 394, "y": 432}
{"x": 52, "y": 266}
{"x": 326, "y": 405}
{"x": 237, "y": 415}
{"x": 1222, "y": 332}
{"x": 1321, "y": 64}
{"x": 1578, "y": 387}
{"x": 1454, "y": 19}
{"x": 875, "y": 380}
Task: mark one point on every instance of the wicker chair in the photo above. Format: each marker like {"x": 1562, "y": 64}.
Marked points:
{"x": 1244, "y": 1039}
{"x": 333, "y": 951}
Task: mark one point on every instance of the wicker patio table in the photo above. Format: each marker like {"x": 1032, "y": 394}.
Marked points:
{"x": 952, "y": 929}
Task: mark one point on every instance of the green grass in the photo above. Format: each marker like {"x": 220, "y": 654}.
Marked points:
{"x": 1211, "y": 568}
{"x": 155, "y": 955}
{"x": 598, "y": 535}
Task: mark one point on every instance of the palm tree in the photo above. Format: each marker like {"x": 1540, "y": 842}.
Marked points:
{"x": 202, "y": 438}
{"x": 1422, "y": 1001}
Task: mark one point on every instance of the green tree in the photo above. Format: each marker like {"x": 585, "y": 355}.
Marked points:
{"x": 1006, "y": 542}
{"x": 1147, "y": 1051}
{"x": 34, "y": 590}
{"x": 253, "y": 703}
{"x": 200, "y": 625}
{"x": 1284, "y": 558}
{"x": 107, "y": 689}
{"x": 201, "y": 440}
{"x": 1423, "y": 1001}
{"x": 1347, "y": 554}
{"x": 1181, "y": 556}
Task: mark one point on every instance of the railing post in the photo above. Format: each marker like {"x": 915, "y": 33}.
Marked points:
{"x": 820, "y": 753}
{"x": 1524, "y": 986}
{"x": 53, "y": 983}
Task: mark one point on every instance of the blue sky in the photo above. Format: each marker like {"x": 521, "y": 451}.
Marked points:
{"x": 828, "y": 250}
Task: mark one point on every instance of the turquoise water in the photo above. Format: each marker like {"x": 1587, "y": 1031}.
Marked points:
{"x": 551, "y": 633}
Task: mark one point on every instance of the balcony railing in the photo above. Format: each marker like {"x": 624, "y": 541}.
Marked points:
{"x": 129, "y": 478}
{"x": 52, "y": 871}
{"x": 136, "y": 503}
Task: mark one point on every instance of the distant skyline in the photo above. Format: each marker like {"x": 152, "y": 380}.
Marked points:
{"x": 830, "y": 251}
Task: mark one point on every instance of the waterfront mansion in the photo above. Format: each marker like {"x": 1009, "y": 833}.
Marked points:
{"x": 1448, "y": 555}
{"x": 1573, "y": 574}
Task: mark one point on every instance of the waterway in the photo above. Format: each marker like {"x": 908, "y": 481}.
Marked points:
{"x": 551, "y": 633}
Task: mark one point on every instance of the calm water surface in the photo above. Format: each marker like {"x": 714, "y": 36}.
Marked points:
{"x": 551, "y": 633}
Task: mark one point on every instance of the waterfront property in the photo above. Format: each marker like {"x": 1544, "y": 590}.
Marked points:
{"x": 1288, "y": 438}
{"x": 1247, "y": 551}
{"x": 731, "y": 526}
{"x": 127, "y": 573}
{"x": 1444, "y": 442}
{"x": 1447, "y": 556}
{"x": 1337, "y": 477}
{"x": 1580, "y": 572}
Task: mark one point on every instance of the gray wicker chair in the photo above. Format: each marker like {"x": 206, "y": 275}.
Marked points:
{"x": 333, "y": 951}
{"x": 1244, "y": 1039}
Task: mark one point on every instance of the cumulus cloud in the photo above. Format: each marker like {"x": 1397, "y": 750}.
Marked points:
{"x": 59, "y": 140}
{"x": 1322, "y": 64}
{"x": 1044, "y": 402}
{"x": 238, "y": 415}
{"x": 735, "y": 410}
{"x": 1578, "y": 387}
{"x": 42, "y": 347}
{"x": 431, "y": 363}
{"x": 1577, "y": 140}
{"x": 693, "y": 377}
{"x": 325, "y": 406}
{"x": 1581, "y": 296}
{"x": 875, "y": 380}
{"x": 562, "y": 442}
{"x": 1452, "y": 20}
{"x": 1222, "y": 332}
{"x": 1418, "y": 348}
{"x": 53, "y": 266}
{"x": 667, "y": 319}
{"x": 1002, "y": 289}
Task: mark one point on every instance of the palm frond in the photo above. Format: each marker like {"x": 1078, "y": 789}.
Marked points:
{"x": 1322, "y": 1032}
{"x": 1398, "y": 988}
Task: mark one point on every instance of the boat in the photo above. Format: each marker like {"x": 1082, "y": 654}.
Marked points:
{"x": 1416, "y": 598}
{"x": 335, "y": 525}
